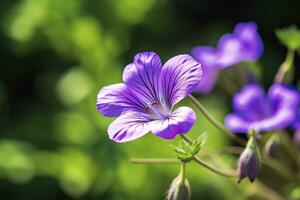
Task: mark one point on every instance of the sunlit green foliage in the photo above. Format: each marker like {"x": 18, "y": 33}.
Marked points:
{"x": 290, "y": 37}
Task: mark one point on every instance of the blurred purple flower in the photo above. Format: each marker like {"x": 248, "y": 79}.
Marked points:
{"x": 244, "y": 44}
{"x": 144, "y": 102}
{"x": 254, "y": 110}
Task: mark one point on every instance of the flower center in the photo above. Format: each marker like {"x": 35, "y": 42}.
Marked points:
{"x": 157, "y": 110}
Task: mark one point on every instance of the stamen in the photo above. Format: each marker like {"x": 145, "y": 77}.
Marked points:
{"x": 149, "y": 105}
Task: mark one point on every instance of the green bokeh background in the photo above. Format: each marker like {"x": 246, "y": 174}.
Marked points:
{"x": 54, "y": 57}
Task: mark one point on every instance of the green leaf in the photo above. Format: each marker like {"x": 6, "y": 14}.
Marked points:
{"x": 199, "y": 143}
{"x": 290, "y": 37}
{"x": 186, "y": 152}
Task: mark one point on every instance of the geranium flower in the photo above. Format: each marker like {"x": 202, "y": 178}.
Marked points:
{"x": 244, "y": 44}
{"x": 144, "y": 102}
{"x": 254, "y": 110}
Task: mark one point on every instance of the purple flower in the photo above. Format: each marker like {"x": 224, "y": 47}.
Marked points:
{"x": 244, "y": 44}
{"x": 144, "y": 102}
{"x": 254, "y": 110}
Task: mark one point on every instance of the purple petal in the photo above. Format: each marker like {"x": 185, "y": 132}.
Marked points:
{"x": 207, "y": 56}
{"x": 208, "y": 80}
{"x": 180, "y": 75}
{"x": 283, "y": 118}
{"x": 281, "y": 95}
{"x": 279, "y": 120}
{"x": 251, "y": 103}
{"x": 179, "y": 122}
{"x": 129, "y": 126}
{"x": 252, "y": 45}
{"x": 142, "y": 76}
{"x": 244, "y": 44}
{"x": 114, "y": 99}
{"x": 109, "y": 101}
{"x": 237, "y": 124}
{"x": 229, "y": 50}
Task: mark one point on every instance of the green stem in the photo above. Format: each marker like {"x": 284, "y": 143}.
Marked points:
{"x": 182, "y": 173}
{"x": 206, "y": 165}
{"x": 215, "y": 122}
{"x": 213, "y": 169}
{"x": 187, "y": 139}
{"x": 285, "y": 67}
{"x": 154, "y": 161}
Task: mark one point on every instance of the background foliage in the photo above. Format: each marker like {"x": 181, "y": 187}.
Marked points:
{"x": 54, "y": 57}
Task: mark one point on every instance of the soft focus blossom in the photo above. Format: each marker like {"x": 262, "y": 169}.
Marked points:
{"x": 244, "y": 44}
{"x": 255, "y": 110}
{"x": 144, "y": 102}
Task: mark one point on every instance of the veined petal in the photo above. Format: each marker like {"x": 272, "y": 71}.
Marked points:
{"x": 251, "y": 103}
{"x": 179, "y": 77}
{"x": 114, "y": 99}
{"x": 142, "y": 76}
{"x": 129, "y": 126}
{"x": 179, "y": 122}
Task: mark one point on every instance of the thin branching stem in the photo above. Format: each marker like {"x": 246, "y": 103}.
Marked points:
{"x": 215, "y": 122}
{"x": 154, "y": 161}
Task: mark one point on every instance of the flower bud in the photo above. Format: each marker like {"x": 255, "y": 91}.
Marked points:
{"x": 179, "y": 190}
{"x": 249, "y": 162}
{"x": 297, "y": 137}
{"x": 272, "y": 146}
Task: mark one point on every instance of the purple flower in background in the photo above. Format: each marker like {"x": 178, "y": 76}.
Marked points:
{"x": 254, "y": 110}
{"x": 244, "y": 44}
{"x": 296, "y": 127}
{"x": 144, "y": 102}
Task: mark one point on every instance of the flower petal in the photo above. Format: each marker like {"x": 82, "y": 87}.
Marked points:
{"x": 129, "y": 126}
{"x": 237, "y": 124}
{"x": 142, "y": 76}
{"x": 207, "y": 56}
{"x": 114, "y": 99}
{"x": 179, "y": 77}
{"x": 208, "y": 80}
{"x": 281, "y": 95}
{"x": 280, "y": 120}
{"x": 179, "y": 122}
{"x": 252, "y": 45}
{"x": 251, "y": 103}
{"x": 283, "y": 118}
{"x": 229, "y": 48}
